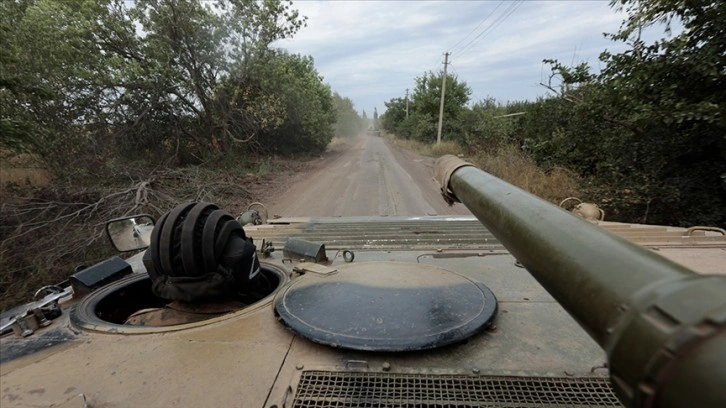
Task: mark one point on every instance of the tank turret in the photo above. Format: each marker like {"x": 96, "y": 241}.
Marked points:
{"x": 662, "y": 326}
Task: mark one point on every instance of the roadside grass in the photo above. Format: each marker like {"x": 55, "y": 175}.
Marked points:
{"x": 337, "y": 143}
{"x": 423, "y": 149}
{"x": 265, "y": 167}
{"x": 507, "y": 163}
{"x": 444, "y": 148}
{"x": 517, "y": 168}
{"x": 427, "y": 149}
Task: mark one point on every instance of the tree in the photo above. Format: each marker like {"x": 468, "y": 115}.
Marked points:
{"x": 347, "y": 121}
{"x": 394, "y": 116}
{"x": 152, "y": 77}
{"x": 290, "y": 86}
{"x": 485, "y": 129}
{"x": 656, "y": 113}
{"x": 424, "y": 109}
{"x": 50, "y": 71}
{"x": 426, "y": 100}
{"x": 194, "y": 47}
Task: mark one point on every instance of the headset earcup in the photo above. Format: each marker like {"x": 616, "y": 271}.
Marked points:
{"x": 191, "y": 237}
{"x": 209, "y": 236}
{"x": 168, "y": 246}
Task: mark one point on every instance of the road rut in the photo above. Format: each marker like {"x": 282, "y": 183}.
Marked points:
{"x": 368, "y": 177}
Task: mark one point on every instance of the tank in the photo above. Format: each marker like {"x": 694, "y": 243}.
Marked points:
{"x": 523, "y": 305}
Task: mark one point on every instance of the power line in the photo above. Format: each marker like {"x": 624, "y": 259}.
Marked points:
{"x": 491, "y": 27}
{"x": 494, "y": 24}
{"x": 477, "y": 26}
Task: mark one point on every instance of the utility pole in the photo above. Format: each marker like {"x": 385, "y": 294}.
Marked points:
{"x": 443, "y": 94}
{"x": 406, "y": 103}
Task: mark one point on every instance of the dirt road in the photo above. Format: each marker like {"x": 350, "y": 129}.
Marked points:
{"x": 366, "y": 177}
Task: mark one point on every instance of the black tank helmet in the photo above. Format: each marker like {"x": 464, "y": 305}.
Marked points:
{"x": 199, "y": 252}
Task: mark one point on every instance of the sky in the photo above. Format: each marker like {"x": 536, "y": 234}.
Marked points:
{"x": 372, "y": 51}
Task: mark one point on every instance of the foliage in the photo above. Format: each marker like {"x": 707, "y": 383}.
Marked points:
{"x": 394, "y": 116}
{"x": 303, "y": 104}
{"x": 657, "y": 111}
{"x": 422, "y": 120}
{"x": 486, "y": 126}
{"x": 347, "y": 121}
{"x": 86, "y": 82}
{"x": 46, "y": 73}
{"x": 191, "y": 50}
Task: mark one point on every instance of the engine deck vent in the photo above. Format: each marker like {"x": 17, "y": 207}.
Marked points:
{"x": 336, "y": 389}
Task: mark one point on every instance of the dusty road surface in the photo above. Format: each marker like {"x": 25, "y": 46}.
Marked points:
{"x": 365, "y": 177}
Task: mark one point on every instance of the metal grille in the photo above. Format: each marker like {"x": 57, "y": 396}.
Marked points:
{"x": 456, "y": 232}
{"x": 336, "y": 389}
{"x": 382, "y": 233}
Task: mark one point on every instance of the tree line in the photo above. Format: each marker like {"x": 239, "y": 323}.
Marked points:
{"x": 90, "y": 81}
{"x": 646, "y": 135}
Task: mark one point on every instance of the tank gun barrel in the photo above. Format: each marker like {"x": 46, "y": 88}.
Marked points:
{"x": 662, "y": 326}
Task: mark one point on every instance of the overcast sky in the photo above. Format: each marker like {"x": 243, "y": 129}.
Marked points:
{"x": 371, "y": 51}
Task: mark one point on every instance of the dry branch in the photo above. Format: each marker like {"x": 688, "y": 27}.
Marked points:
{"x": 46, "y": 233}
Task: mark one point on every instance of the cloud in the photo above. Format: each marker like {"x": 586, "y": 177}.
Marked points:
{"x": 371, "y": 51}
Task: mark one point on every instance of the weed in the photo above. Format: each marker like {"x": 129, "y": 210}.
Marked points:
{"x": 509, "y": 164}
{"x": 336, "y": 144}
{"x": 517, "y": 168}
{"x": 264, "y": 167}
{"x": 426, "y": 149}
{"x": 444, "y": 148}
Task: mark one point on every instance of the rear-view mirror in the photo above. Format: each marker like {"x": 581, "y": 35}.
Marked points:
{"x": 130, "y": 233}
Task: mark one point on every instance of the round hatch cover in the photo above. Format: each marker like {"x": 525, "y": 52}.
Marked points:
{"x": 386, "y": 306}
